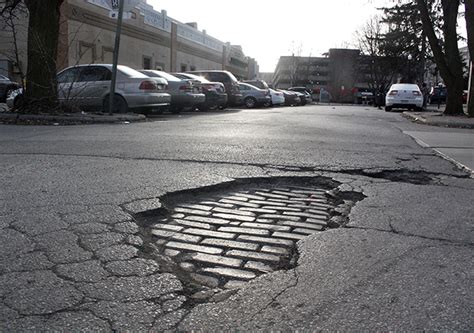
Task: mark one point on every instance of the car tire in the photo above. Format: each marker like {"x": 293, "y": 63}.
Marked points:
{"x": 18, "y": 102}
{"x": 388, "y": 108}
{"x": 120, "y": 104}
{"x": 250, "y": 102}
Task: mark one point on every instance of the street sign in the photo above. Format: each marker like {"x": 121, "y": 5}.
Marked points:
{"x": 128, "y": 5}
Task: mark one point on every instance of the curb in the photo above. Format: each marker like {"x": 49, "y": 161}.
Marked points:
{"x": 429, "y": 118}
{"x": 64, "y": 119}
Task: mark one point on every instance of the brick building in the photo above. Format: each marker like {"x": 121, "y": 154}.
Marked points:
{"x": 150, "y": 39}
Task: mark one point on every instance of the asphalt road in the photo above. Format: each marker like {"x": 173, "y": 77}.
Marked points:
{"x": 403, "y": 262}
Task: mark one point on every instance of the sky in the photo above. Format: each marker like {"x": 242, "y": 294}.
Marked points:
{"x": 269, "y": 29}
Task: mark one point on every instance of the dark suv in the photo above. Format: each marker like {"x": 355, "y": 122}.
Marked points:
{"x": 228, "y": 79}
{"x": 257, "y": 83}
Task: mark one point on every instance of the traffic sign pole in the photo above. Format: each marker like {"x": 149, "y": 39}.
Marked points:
{"x": 118, "y": 31}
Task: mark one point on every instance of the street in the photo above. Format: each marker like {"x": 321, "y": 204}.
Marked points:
{"x": 78, "y": 252}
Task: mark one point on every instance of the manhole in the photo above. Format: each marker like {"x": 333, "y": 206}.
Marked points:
{"x": 224, "y": 236}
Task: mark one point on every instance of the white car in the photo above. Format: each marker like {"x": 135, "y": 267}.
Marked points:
{"x": 278, "y": 98}
{"x": 404, "y": 96}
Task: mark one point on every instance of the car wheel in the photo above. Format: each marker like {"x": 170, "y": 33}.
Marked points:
{"x": 250, "y": 102}
{"x": 120, "y": 104}
{"x": 18, "y": 102}
{"x": 388, "y": 108}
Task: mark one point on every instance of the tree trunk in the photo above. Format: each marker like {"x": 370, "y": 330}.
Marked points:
{"x": 448, "y": 62}
{"x": 43, "y": 32}
{"x": 469, "y": 6}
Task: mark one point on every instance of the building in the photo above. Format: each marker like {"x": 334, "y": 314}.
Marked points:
{"x": 149, "y": 39}
{"x": 337, "y": 72}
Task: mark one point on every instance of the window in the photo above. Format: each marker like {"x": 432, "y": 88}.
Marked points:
{"x": 146, "y": 62}
{"x": 219, "y": 77}
{"x": 94, "y": 73}
{"x": 193, "y": 68}
{"x": 86, "y": 53}
{"x": 68, "y": 75}
{"x": 184, "y": 67}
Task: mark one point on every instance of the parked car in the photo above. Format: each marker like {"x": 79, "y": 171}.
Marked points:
{"x": 234, "y": 96}
{"x": 216, "y": 97}
{"x": 257, "y": 83}
{"x": 183, "y": 93}
{"x": 291, "y": 98}
{"x": 88, "y": 87}
{"x": 6, "y": 87}
{"x": 254, "y": 96}
{"x": 438, "y": 95}
{"x": 278, "y": 98}
{"x": 304, "y": 91}
{"x": 405, "y": 96}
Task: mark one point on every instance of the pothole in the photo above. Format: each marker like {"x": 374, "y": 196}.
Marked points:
{"x": 222, "y": 236}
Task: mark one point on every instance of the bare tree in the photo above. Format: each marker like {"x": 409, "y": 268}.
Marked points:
{"x": 447, "y": 58}
{"x": 469, "y": 16}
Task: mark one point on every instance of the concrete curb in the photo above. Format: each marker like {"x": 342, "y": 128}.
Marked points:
{"x": 437, "y": 119}
{"x": 71, "y": 118}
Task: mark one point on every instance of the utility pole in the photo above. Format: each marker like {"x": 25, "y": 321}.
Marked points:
{"x": 118, "y": 32}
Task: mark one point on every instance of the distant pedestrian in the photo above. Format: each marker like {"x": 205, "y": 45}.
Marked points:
{"x": 425, "y": 92}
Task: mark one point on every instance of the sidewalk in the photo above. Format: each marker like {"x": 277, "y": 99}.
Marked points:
{"x": 68, "y": 118}
{"x": 436, "y": 118}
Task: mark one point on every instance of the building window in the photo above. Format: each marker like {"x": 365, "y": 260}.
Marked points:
{"x": 146, "y": 62}
{"x": 193, "y": 68}
{"x": 184, "y": 67}
{"x": 86, "y": 53}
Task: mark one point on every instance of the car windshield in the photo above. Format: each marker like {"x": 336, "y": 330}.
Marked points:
{"x": 164, "y": 75}
{"x": 3, "y": 77}
{"x": 194, "y": 77}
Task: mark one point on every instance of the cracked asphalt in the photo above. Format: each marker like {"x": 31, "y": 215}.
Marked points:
{"x": 71, "y": 251}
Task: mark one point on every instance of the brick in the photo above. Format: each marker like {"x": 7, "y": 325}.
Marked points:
{"x": 171, "y": 227}
{"x": 308, "y": 192}
{"x": 197, "y": 206}
{"x": 322, "y": 211}
{"x": 318, "y": 200}
{"x": 230, "y": 244}
{"x": 237, "y": 198}
{"x": 232, "y": 211}
{"x": 290, "y": 194}
{"x": 281, "y": 201}
{"x": 219, "y": 260}
{"x": 261, "y": 210}
{"x": 253, "y": 255}
{"x": 210, "y": 220}
{"x": 193, "y": 247}
{"x": 177, "y": 216}
{"x": 289, "y": 235}
{"x": 271, "y": 195}
{"x": 287, "y": 209}
{"x": 275, "y": 250}
{"x": 300, "y": 206}
{"x": 259, "y": 202}
{"x": 250, "y": 231}
{"x": 205, "y": 280}
{"x": 186, "y": 238}
{"x": 274, "y": 241}
{"x": 320, "y": 205}
{"x": 235, "y": 217}
{"x": 281, "y": 217}
{"x": 175, "y": 235}
{"x": 218, "y": 204}
{"x": 171, "y": 253}
{"x": 193, "y": 224}
{"x": 305, "y": 231}
{"x": 307, "y": 215}
{"x": 235, "y": 223}
{"x": 303, "y": 225}
{"x": 209, "y": 233}
{"x": 249, "y": 196}
{"x": 258, "y": 266}
{"x": 259, "y": 220}
{"x": 240, "y": 203}
{"x": 192, "y": 211}
{"x": 317, "y": 221}
{"x": 230, "y": 272}
{"x": 319, "y": 196}
{"x": 265, "y": 226}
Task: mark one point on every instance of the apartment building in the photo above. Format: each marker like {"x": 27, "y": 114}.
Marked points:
{"x": 150, "y": 39}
